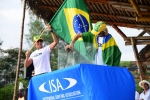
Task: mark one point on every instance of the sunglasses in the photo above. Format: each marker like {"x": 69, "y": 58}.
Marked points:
{"x": 40, "y": 41}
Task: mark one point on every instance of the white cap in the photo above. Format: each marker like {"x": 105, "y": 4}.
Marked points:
{"x": 144, "y": 81}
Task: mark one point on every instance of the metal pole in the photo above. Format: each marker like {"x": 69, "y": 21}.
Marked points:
{"x": 20, "y": 52}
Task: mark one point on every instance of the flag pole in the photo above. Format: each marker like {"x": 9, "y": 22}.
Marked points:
{"x": 20, "y": 52}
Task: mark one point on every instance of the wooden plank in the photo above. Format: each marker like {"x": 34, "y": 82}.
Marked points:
{"x": 142, "y": 33}
{"x": 119, "y": 31}
{"x": 140, "y": 18}
{"x": 112, "y": 16}
{"x": 139, "y": 64}
{"x": 137, "y": 26}
{"x": 140, "y": 38}
{"x": 138, "y": 43}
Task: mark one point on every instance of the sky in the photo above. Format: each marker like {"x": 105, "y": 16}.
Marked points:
{"x": 11, "y": 12}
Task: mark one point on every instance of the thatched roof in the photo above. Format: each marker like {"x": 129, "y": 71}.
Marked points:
{"x": 117, "y": 12}
{"x": 125, "y": 13}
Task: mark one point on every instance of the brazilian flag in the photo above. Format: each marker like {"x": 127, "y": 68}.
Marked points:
{"x": 111, "y": 53}
{"x": 70, "y": 19}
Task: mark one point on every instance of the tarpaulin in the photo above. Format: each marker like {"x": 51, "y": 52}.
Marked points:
{"x": 83, "y": 82}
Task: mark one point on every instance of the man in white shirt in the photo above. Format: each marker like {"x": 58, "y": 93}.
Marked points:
{"x": 145, "y": 95}
{"x": 41, "y": 57}
{"x": 137, "y": 95}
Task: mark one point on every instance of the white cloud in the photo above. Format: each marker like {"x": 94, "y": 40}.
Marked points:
{"x": 10, "y": 23}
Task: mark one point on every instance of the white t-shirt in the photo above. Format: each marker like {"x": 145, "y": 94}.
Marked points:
{"x": 41, "y": 60}
{"x": 137, "y": 95}
{"x": 98, "y": 55}
{"x": 145, "y": 96}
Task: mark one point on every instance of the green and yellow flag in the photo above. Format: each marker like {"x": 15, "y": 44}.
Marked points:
{"x": 111, "y": 53}
{"x": 72, "y": 18}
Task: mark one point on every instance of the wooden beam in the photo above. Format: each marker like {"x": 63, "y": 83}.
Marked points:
{"x": 142, "y": 33}
{"x": 135, "y": 6}
{"x": 137, "y": 9}
{"x": 138, "y": 43}
{"x": 93, "y": 13}
{"x": 137, "y": 26}
{"x": 20, "y": 52}
{"x": 139, "y": 64}
{"x": 145, "y": 27}
{"x": 119, "y": 31}
{"x": 112, "y": 16}
{"x": 140, "y": 38}
{"x": 98, "y": 1}
{"x": 140, "y": 18}
{"x": 49, "y": 7}
{"x": 110, "y": 2}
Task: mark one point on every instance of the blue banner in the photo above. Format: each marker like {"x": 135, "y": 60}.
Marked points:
{"x": 83, "y": 82}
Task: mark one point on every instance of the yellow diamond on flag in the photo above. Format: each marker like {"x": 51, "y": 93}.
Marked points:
{"x": 77, "y": 21}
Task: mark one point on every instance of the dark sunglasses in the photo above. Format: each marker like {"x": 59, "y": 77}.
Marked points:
{"x": 40, "y": 41}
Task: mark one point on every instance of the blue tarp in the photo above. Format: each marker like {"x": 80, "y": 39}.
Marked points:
{"x": 83, "y": 82}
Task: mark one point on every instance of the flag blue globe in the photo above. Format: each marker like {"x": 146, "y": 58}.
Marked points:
{"x": 80, "y": 24}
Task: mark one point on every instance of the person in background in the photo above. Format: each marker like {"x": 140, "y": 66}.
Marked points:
{"x": 137, "y": 95}
{"x": 41, "y": 56}
{"x": 145, "y": 85}
{"x": 107, "y": 52}
{"x": 32, "y": 73}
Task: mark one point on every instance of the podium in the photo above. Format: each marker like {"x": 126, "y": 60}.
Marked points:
{"x": 83, "y": 82}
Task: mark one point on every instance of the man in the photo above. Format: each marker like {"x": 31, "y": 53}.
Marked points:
{"x": 41, "y": 57}
{"x": 108, "y": 52}
{"x": 137, "y": 95}
{"x": 145, "y": 85}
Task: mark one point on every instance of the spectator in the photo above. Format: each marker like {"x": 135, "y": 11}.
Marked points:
{"x": 145, "y": 95}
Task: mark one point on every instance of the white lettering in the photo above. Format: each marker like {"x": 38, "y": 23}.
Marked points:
{"x": 55, "y": 85}
{"x": 55, "y": 88}
{"x": 72, "y": 93}
{"x": 59, "y": 85}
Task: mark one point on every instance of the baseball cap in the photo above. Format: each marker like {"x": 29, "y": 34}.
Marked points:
{"x": 99, "y": 27}
{"x": 36, "y": 38}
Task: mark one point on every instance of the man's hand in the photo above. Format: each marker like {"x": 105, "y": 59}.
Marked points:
{"x": 27, "y": 54}
{"x": 49, "y": 27}
{"x": 69, "y": 48}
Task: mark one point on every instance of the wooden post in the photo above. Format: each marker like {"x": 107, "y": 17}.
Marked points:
{"x": 119, "y": 31}
{"x": 20, "y": 52}
{"x": 139, "y": 64}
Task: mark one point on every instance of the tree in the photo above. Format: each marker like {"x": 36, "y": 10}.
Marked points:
{"x": 7, "y": 91}
{"x": 8, "y": 65}
{"x": 1, "y": 42}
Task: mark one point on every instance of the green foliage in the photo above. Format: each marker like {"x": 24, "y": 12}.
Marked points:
{"x": 36, "y": 26}
{"x": 125, "y": 63}
{"x": 6, "y": 93}
{"x": 25, "y": 82}
{"x": 139, "y": 89}
{"x": 1, "y": 42}
{"x": 148, "y": 73}
{"x": 8, "y": 65}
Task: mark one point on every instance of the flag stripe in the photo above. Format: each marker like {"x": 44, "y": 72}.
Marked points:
{"x": 109, "y": 43}
{"x": 111, "y": 56}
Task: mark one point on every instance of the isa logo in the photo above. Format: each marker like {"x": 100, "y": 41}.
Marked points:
{"x": 56, "y": 85}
